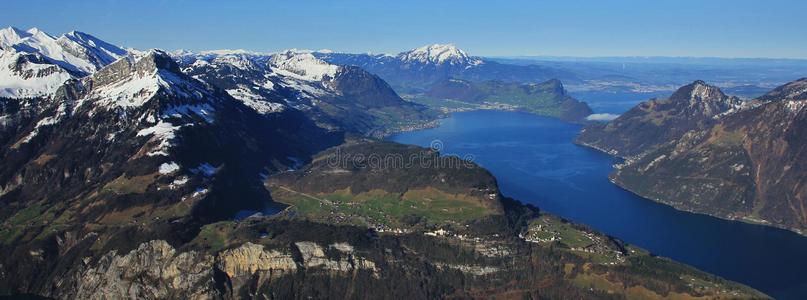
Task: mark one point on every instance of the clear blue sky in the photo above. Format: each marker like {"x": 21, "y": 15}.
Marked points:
{"x": 737, "y": 28}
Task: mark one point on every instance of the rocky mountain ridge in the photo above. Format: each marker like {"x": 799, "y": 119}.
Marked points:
{"x": 327, "y": 93}
{"x": 34, "y": 64}
{"x": 658, "y": 121}
{"x": 75, "y": 51}
{"x": 743, "y": 164}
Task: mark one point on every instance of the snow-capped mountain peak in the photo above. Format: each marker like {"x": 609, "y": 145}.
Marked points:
{"x": 97, "y": 51}
{"x": 34, "y": 63}
{"x": 439, "y": 54}
{"x": 302, "y": 65}
{"x": 240, "y": 61}
{"x": 75, "y": 51}
{"x": 29, "y": 75}
{"x": 37, "y": 32}
{"x": 222, "y": 52}
{"x": 10, "y": 36}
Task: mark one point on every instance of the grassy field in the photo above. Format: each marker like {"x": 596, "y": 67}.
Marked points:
{"x": 215, "y": 236}
{"x": 378, "y": 208}
{"x": 550, "y": 230}
{"x": 539, "y": 98}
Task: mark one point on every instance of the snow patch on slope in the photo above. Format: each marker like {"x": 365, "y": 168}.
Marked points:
{"x": 168, "y": 168}
{"x": 203, "y": 110}
{"x": 601, "y": 117}
{"x": 47, "y": 121}
{"x": 795, "y": 106}
{"x": 254, "y": 101}
{"x": 164, "y": 133}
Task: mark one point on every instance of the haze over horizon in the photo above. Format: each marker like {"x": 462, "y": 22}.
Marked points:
{"x": 731, "y": 29}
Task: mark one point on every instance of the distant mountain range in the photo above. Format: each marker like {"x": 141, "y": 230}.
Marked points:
{"x": 744, "y": 77}
{"x": 432, "y": 74}
{"x": 417, "y": 69}
{"x": 703, "y": 151}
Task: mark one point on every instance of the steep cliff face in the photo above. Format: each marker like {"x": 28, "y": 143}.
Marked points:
{"x": 152, "y": 271}
{"x": 747, "y": 165}
{"x": 654, "y": 123}
{"x": 156, "y": 270}
{"x": 289, "y": 261}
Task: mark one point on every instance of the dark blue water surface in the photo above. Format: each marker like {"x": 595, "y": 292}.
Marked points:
{"x": 616, "y": 102}
{"x": 534, "y": 160}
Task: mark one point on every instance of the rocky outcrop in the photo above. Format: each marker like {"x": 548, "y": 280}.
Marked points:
{"x": 250, "y": 258}
{"x": 469, "y": 269}
{"x": 343, "y": 262}
{"x": 314, "y": 257}
{"x": 154, "y": 270}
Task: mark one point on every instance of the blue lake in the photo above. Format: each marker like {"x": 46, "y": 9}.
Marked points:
{"x": 615, "y": 102}
{"x": 534, "y": 160}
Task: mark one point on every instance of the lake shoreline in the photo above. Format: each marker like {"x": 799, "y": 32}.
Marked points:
{"x": 745, "y": 220}
{"x": 536, "y": 161}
